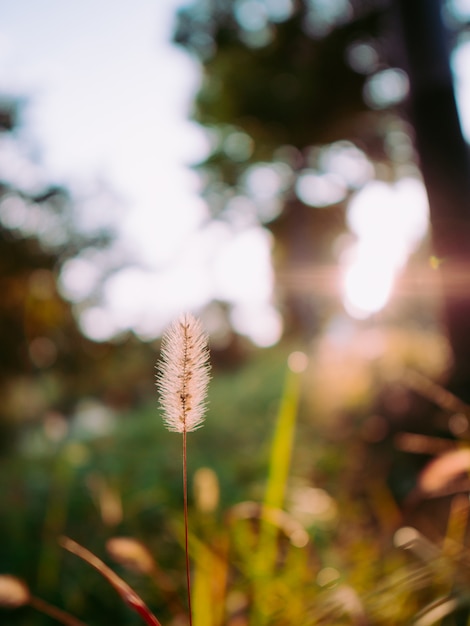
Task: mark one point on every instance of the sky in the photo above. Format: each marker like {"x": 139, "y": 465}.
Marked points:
{"x": 109, "y": 101}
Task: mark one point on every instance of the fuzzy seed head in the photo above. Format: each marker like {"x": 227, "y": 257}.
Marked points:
{"x": 183, "y": 374}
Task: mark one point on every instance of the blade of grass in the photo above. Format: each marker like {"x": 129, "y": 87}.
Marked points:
{"x": 282, "y": 445}
{"x": 124, "y": 590}
{"x": 278, "y": 472}
{"x": 202, "y": 601}
{"x": 210, "y": 582}
{"x": 211, "y": 574}
{"x": 52, "y": 611}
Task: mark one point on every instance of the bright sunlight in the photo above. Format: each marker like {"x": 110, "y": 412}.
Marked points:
{"x": 388, "y": 222}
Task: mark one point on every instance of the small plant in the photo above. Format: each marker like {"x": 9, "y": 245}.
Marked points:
{"x": 273, "y": 561}
{"x": 182, "y": 379}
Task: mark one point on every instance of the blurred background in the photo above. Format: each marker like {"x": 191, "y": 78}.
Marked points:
{"x": 294, "y": 172}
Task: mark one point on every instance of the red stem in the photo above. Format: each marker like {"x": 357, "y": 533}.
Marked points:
{"x": 124, "y": 590}
{"x": 185, "y": 505}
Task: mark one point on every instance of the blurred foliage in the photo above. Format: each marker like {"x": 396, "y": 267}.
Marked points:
{"x": 342, "y": 551}
{"x": 100, "y": 475}
{"x": 303, "y": 102}
{"x": 278, "y": 78}
{"x": 46, "y": 363}
{"x": 282, "y": 98}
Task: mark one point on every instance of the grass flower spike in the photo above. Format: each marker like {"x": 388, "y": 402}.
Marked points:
{"x": 183, "y": 374}
{"x": 182, "y": 380}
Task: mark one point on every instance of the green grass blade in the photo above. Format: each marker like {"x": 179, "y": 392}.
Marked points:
{"x": 278, "y": 473}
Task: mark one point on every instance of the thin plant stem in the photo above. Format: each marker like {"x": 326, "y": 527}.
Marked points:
{"x": 185, "y": 507}
{"x": 182, "y": 379}
{"x": 129, "y": 596}
{"x": 52, "y": 611}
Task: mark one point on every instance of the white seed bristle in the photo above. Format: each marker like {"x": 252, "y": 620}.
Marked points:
{"x": 183, "y": 374}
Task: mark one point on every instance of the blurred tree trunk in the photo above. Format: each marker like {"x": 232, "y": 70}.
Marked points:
{"x": 444, "y": 158}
